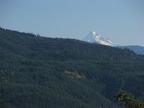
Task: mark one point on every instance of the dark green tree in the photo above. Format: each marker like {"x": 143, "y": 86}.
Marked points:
{"x": 128, "y": 100}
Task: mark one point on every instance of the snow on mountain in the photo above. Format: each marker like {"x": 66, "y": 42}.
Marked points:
{"x": 93, "y": 37}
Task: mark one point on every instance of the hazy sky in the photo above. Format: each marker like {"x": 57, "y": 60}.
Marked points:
{"x": 119, "y": 20}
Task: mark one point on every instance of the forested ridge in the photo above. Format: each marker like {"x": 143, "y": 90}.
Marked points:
{"x": 40, "y": 72}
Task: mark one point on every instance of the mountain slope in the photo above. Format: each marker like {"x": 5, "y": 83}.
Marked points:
{"x": 33, "y": 72}
{"x": 136, "y": 49}
{"x": 93, "y": 37}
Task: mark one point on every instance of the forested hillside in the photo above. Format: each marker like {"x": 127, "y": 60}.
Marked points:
{"x": 40, "y": 72}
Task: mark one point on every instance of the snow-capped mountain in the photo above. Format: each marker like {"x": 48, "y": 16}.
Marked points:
{"x": 93, "y": 37}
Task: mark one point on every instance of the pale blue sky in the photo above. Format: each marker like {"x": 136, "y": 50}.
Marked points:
{"x": 119, "y": 20}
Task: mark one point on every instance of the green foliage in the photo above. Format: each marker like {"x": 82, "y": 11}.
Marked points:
{"x": 32, "y": 72}
{"x": 128, "y": 100}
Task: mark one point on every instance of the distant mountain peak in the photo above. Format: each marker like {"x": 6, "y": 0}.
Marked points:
{"x": 93, "y": 32}
{"x": 93, "y": 37}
